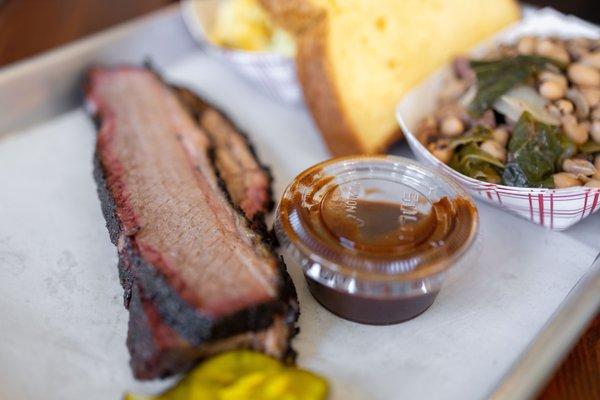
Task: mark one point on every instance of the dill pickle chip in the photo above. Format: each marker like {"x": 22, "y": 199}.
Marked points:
{"x": 186, "y": 389}
{"x": 131, "y": 396}
{"x": 292, "y": 384}
{"x": 244, "y": 375}
{"x": 246, "y": 387}
{"x": 227, "y": 368}
{"x": 286, "y": 384}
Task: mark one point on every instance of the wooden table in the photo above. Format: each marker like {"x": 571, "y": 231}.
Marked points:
{"x": 28, "y": 27}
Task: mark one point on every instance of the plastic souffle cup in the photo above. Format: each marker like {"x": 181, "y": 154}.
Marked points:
{"x": 375, "y": 235}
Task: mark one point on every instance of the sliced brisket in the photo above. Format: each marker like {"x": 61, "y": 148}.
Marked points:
{"x": 202, "y": 279}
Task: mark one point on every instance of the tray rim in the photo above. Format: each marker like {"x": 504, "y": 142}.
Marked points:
{"x": 542, "y": 357}
{"x": 526, "y": 376}
{"x": 48, "y": 84}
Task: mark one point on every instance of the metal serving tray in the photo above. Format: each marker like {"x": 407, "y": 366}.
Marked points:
{"x": 47, "y": 88}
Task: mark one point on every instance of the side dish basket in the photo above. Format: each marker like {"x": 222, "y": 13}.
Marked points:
{"x": 272, "y": 73}
{"x": 552, "y": 208}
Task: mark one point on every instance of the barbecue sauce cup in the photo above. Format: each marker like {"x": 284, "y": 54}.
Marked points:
{"x": 375, "y": 235}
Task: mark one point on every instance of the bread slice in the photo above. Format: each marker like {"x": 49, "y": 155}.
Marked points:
{"x": 357, "y": 58}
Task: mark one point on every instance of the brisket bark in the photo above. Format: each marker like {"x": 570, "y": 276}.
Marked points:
{"x": 202, "y": 279}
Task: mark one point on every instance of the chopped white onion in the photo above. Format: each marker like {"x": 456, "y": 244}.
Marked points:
{"x": 468, "y": 97}
{"x": 524, "y": 98}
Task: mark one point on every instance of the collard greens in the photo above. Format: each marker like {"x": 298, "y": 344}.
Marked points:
{"x": 478, "y": 134}
{"x": 535, "y": 152}
{"x": 470, "y": 160}
{"x": 495, "y": 78}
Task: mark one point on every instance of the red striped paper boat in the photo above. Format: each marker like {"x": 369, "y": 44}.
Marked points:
{"x": 552, "y": 208}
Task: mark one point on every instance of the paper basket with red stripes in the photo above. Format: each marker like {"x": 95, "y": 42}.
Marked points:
{"x": 552, "y": 208}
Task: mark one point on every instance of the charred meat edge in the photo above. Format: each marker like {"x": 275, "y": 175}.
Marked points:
{"x": 157, "y": 351}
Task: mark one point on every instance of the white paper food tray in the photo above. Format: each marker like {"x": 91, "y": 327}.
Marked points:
{"x": 521, "y": 298}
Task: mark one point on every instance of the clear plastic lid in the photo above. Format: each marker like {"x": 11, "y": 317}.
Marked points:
{"x": 375, "y": 225}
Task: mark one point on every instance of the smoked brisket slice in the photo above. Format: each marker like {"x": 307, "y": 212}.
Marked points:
{"x": 202, "y": 279}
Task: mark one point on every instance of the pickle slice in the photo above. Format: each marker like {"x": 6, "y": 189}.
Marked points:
{"x": 246, "y": 387}
{"x": 225, "y": 369}
{"x": 186, "y": 389}
{"x": 131, "y": 396}
{"x": 287, "y": 384}
{"x": 244, "y": 375}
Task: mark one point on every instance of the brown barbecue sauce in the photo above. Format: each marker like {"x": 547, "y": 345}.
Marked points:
{"x": 372, "y": 233}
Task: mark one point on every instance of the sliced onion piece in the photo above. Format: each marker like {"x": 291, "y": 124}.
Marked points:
{"x": 524, "y": 98}
{"x": 468, "y": 96}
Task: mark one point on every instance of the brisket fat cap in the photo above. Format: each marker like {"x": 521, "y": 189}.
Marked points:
{"x": 244, "y": 178}
{"x": 208, "y": 274}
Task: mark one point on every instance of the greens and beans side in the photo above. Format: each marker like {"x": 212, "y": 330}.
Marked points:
{"x": 527, "y": 115}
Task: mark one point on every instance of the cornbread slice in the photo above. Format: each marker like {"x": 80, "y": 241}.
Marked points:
{"x": 357, "y": 58}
